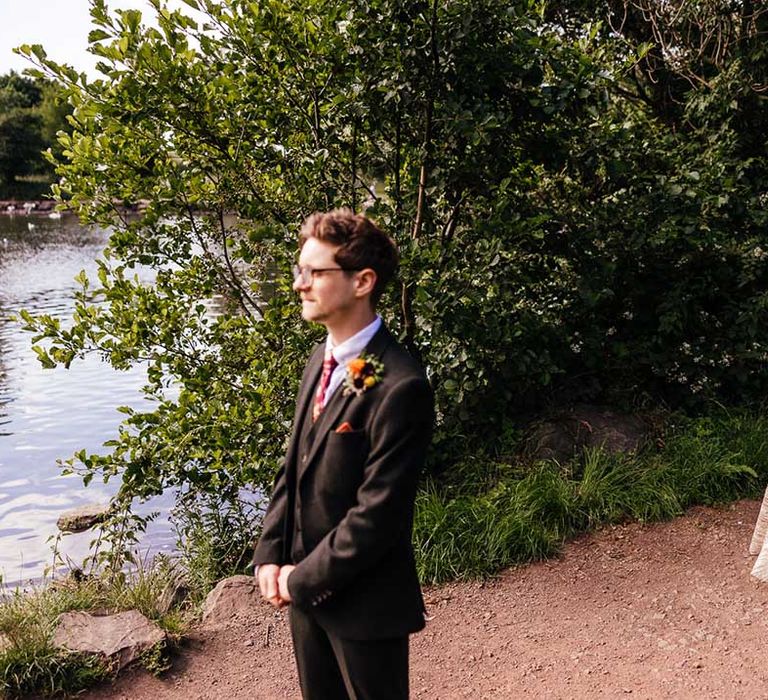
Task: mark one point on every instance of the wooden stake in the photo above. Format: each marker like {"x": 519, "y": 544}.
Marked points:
{"x": 761, "y": 530}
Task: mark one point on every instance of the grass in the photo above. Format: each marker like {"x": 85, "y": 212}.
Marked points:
{"x": 29, "y": 663}
{"x": 484, "y": 514}
{"x": 214, "y": 541}
{"x": 467, "y": 528}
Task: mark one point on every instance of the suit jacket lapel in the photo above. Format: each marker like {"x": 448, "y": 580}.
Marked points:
{"x": 306, "y": 394}
{"x": 378, "y": 344}
{"x": 337, "y": 403}
{"x": 327, "y": 418}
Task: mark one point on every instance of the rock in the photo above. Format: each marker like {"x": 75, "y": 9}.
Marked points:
{"x": 80, "y": 519}
{"x": 233, "y": 596}
{"x": 121, "y": 638}
{"x": 173, "y": 595}
{"x": 564, "y": 436}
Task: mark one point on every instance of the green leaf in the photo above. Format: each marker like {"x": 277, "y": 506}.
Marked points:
{"x": 97, "y": 35}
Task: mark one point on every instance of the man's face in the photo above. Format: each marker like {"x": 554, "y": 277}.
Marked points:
{"x": 330, "y": 295}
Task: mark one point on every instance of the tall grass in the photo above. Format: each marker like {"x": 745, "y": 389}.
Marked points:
{"x": 29, "y": 663}
{"x": 462, "y": 531}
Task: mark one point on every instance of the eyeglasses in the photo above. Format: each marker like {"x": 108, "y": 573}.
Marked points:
{"x": 307, "y": 273}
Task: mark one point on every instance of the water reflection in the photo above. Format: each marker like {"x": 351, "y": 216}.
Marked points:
{"x": 47, "y": 414}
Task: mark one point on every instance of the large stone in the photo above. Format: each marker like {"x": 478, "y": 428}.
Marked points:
{"x": 174, "y": 594}
{"x": 80, "y": 519}
{"x": 121, "y": 638}
{"x": 562, "y": 437}
{"x": 232, "y": 597}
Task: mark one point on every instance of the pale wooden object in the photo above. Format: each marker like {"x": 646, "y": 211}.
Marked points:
{"x": 760, "y": 569}
{"x": 761, "y": 529}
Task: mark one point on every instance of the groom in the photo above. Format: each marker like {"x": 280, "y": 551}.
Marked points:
{"x": 336, "y": 538}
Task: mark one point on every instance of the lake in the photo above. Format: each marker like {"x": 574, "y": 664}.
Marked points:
{"x": 46, "y": 415}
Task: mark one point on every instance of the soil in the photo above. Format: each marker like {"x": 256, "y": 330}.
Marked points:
{"x": 667, "y": 610}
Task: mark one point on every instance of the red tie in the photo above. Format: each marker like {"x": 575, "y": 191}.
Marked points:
{"x": 329, "y": 364}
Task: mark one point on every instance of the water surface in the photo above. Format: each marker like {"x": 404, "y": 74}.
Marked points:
{"x": 46, "y": 415}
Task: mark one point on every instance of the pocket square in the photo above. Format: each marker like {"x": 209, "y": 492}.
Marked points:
{"x": 344, "y": 428}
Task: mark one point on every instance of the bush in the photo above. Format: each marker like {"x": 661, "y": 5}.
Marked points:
{"x": 467, "y": 534}
{"x": 215, "y": 539}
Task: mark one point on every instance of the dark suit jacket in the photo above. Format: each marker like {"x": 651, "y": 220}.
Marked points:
{"x": 342, "y": 505}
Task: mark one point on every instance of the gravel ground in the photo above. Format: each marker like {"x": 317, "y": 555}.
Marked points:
{"x": 667, "y": 610}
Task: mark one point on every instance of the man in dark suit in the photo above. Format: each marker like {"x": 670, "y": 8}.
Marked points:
{"x": 336, "y": 538}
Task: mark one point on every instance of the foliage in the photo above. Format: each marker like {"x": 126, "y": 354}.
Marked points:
{"x": 661, "y": 206}
{"x": 47, "y": 672}
{"x": 31, "y": 665}
{"x": 20, "y": 138}
{"x": 257, "y": 119}
{"x": 215, "y": 538}
{"x": 155, "y": 659}
{"x": 579, "y": 218}
{"x": 527, "y": 516}
{"x": 31, "y": 114}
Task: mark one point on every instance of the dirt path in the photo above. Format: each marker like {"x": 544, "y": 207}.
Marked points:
{"x": 656, "y": 611}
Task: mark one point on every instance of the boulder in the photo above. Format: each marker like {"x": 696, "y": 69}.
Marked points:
{"x": 121, "y": 638}
{"x": 173, "y": 595}
{"x": 80, "y": 519}
{"x": 562, "y": 437}
{"x": 232, "y": 597}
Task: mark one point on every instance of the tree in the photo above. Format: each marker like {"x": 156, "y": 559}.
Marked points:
{"x": 20, "y": 139}
{"x": 31, "y": 114}
{"x": 273, "y": 110}
{"x": 663, "y": 201}
{"x": 562, "y": 237}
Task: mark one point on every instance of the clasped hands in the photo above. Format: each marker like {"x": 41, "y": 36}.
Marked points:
{"x": 273, "y": 583}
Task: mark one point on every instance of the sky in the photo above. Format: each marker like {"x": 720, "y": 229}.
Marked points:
{"x": 61, "y": 26}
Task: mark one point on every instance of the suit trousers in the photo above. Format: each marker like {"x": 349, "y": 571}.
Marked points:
{"x": 332, "y": 668}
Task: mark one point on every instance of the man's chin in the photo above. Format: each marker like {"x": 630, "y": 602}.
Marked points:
{"x": 310, "y": 314}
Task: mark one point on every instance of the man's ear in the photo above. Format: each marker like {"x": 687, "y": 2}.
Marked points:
{"x": 366, "y": 281}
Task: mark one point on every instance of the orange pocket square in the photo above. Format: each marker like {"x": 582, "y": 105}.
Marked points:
{"x": 344, "y": 428}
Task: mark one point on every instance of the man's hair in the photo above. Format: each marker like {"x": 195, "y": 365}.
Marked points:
{"x": 362, "y": 244}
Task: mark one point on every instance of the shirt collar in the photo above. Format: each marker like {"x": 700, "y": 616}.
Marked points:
{"x": 354, "y": 346}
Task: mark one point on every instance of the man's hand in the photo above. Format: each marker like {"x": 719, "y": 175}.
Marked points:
{"x": 282, "y": 583}
{"x": 267, "y": 576}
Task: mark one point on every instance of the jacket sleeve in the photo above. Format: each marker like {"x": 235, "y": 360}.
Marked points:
{"x": 270, "y": 547}
{"x": 399, "y": 434}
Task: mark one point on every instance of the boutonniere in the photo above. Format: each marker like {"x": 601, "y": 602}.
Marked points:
{"x": 363, "y": 373}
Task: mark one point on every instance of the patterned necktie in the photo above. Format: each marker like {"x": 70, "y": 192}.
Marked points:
{"x": 329, "y": 364}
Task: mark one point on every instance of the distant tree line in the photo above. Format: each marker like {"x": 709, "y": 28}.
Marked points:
{"x": 31, "y": 113}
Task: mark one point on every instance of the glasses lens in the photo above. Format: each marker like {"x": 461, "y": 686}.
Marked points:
{"x": 302, "y": 273}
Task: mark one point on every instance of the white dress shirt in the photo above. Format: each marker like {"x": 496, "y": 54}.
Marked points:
{"x": 348, "y": 350}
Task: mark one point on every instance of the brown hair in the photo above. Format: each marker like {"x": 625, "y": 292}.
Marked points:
{"x": 362, "y": 244}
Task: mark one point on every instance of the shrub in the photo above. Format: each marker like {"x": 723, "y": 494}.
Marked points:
{"x": 468, "y": 533}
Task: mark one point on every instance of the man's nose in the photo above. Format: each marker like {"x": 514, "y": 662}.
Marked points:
{"x": 299, "y": 284}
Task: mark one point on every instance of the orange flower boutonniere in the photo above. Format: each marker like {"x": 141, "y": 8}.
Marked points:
{"x": 363, "y": 373}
